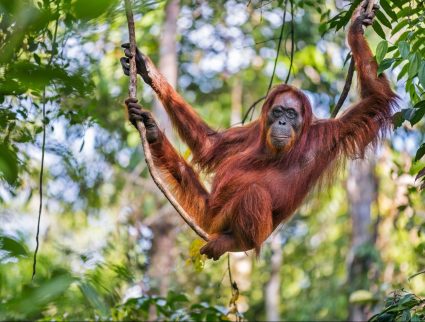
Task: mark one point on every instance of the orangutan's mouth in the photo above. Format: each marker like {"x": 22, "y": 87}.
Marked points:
{"x": 280, "y": 137}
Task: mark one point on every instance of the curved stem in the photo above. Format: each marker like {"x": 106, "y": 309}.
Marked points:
{"x": 350, "y": 74}
{"x": 292, "y": 42}
{"x": 346, "y": 90}
{"x": 132, "y": 89}
{"x": 43, "y": 150}
{"x": 278, "y": 47}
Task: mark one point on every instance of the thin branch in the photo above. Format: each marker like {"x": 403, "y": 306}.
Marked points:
{"x": 132, "y": 87}
{"x": 43, "y": 149}
{"x": 251, "y": 109}
{"x": 229, "y": 270}
{"x": 350, "y": 74}
{"x": 258, "y": 43}
{"x": 370, "y": 6}
{"x": 414, "y": 275}
{"x": 235, "y": 292}
{"x": 292, "y": 42}
{"x": 278, "y": 47}
{"x": 346, "y": 90}
{"x": 142, "y": 131}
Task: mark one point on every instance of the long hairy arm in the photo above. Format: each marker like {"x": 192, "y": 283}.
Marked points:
{"x": 365, "y": 122}
{"x": 189, "y": 125}
{"x": 182, "y": 180}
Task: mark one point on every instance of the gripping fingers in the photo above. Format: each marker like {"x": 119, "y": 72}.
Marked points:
{"x": 136, "y": 113}
{"x": 134, "y": 116}
{"x": 363, "y": 18}
{"x": 127, "y": 53}
{"x": 152, "y": 130}
{"x": 127, "y": 50}
{"x": 367, "y": 18}
{"x": 125, "y": 65}
{"x": 142, "y": 63}
{"x": 131, "y": 100}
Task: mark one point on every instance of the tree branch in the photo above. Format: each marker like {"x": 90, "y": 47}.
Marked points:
{"x": 292, "y": 42}
{"x": 251, "y": 109}
{"x": 350, "y": 75}
{"x": 132, "y": 89}
{"x": 278, "y": 47}
{"x": 346, "y": 90}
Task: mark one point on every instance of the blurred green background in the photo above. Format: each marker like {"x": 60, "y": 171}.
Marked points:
{"x": 111, "y": 247}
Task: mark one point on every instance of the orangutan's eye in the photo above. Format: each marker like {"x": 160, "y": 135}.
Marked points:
{"x": 277, "y": 111}
{"x": 291, "y": 113}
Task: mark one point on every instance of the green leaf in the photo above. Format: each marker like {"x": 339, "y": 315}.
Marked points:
{"x": 87, "y": 10}
{"x": 381, "y": 51}
{"x": 414, "y": 62}
{"x": 403, "y": 23}
{"x": 37, "y": 58}
{"x": 415, "y": 318}
{"x": 421, "y": 74}
{"x": 403, "y": 72}
{"x": 407, "y": 301}
{"x": 385, "y": 64}
{"x": 35, "y": 298}
{"x": 406, "y": 315}
{"x": 13, "y": 247}
{"x": 22, "y": 135}
{"x": 420, "y": 153}
{"x": 378, "y": 29}
{"x": 175, "y": 299}
{"x": 94, "y": 299}
{"x": 384, "y": 20}
{"x": 417, "y": 115}
{"x": 420, "y": 104}
{"x": 8, "y": 164}
{"x": 404, "y": 49}
{"x": 408, "y": 113}
{"x": 405, "y": 36}
{"x": 388, "y": 10}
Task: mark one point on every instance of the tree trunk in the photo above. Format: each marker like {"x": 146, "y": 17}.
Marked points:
{"x": 168, "y": 60}
{"x": 163, "y": 252}
{"x": 272, "y": 288}
{"x": 362, "y": 190}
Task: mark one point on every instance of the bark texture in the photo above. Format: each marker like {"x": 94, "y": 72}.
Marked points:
{"x": 361, "y": 190}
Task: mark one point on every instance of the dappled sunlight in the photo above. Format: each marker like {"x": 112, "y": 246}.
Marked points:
{"x": 111, "y": 247}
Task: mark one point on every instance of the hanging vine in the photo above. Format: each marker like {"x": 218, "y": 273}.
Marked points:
{"x": 43, "y": 151}
{"x": 142, "y": 131}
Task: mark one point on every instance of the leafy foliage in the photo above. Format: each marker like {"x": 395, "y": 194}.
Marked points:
{"x": 173, "y": 307}
{"x": 96, "y": 246}
{"x": 34, "y": 300}
{"x": 402, "y": 306}
{"x": 404, "y": 54}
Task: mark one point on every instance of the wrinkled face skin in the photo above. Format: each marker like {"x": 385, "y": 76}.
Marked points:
{"x": 284, "y": 121}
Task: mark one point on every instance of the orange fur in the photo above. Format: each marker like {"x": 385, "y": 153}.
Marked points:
{"x": 255, "y": 187}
